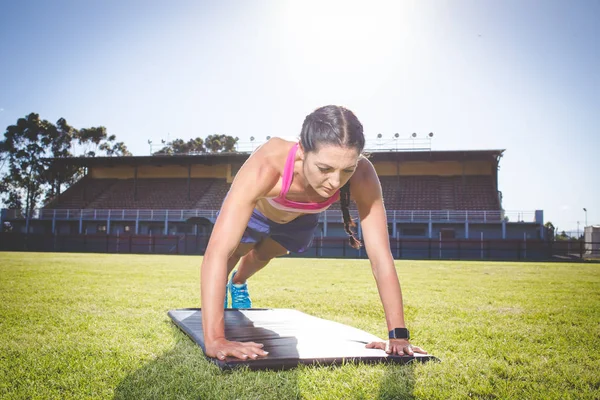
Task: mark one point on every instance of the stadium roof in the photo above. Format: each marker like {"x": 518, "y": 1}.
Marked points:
{"x": 220, "y": 158}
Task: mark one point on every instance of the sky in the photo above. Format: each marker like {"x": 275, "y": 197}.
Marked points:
{"x": 523, "y": 76}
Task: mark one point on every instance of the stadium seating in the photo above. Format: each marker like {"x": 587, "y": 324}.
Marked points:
{"x": 82, "y": 193}
{"x": 476, "y": 193}
{"x": 399, "y": 192}
{"x": 155, "y": 193}
{"x": 439, "y": 193}
{"x": 214, "y": 196}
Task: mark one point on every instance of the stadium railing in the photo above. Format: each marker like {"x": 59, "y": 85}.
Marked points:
{"x": 398, "y": 216}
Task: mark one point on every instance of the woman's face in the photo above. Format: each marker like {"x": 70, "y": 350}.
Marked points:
{"x": 329, "y": 168}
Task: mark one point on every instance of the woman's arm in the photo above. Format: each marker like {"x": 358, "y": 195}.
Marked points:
{"x": 366, "y": 191}
{"x": 254, "y": 179}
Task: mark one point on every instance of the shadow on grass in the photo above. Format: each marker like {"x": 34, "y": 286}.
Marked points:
{"x": 185, "y": 373}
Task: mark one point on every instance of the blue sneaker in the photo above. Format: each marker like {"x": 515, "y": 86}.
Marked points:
{"x": 226, "y": 305}
{"x": 240, "y": 298}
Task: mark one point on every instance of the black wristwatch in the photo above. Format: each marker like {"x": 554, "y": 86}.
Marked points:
{"x": 399, "y": 333}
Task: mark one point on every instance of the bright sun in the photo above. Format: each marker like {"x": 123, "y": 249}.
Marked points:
{"x": 334, "y": 42}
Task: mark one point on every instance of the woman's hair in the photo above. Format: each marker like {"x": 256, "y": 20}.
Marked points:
{"x": 338, "y": 126}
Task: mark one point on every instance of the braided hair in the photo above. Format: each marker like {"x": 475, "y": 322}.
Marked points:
{"x": 335, "y": 125}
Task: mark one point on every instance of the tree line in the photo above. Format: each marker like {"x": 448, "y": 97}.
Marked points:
{"x": 29, "y": 166}
{"x": 211, "y": 144}
{"x": 32, "y": 172}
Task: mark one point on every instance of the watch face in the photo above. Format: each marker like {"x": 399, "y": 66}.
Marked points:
{"x": 399, "y": 333}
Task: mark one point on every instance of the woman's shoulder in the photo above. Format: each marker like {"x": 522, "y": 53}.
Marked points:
{"x": 264, "y": 168}
{"x": 364, "y": 170}
{"x": 275, "y": 145}
{"x": 273, "y": 152}
{"x": 364, "y": 184}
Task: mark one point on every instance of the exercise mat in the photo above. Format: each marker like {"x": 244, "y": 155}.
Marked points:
{"x": 291, "y": 337}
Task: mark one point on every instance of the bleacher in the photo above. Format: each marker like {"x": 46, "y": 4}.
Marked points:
{"x": 439, "y": 193}
{"x": 82, "y": 193}
{"x": 213, "y": 198}
{"x": 477, "y": 193}
{"x": 399, "y": 192}
{"x": 153, "y": 193}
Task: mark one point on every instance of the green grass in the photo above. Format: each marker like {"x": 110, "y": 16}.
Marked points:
{"x": 95, "y": 326}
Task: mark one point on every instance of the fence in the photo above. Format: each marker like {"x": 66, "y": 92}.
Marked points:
{"x": 464, "y": 249}
{"x": 459, "y": 216}
{"x": 102, "y": 243}
{"x": 431, "y": 249}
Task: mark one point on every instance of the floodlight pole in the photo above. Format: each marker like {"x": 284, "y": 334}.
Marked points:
{"x": 585, "y": 210}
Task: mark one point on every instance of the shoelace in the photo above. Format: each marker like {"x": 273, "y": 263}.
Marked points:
{"x": 240, "y": 294}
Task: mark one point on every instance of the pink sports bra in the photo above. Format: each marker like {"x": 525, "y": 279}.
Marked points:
{"x": 283, "y": 204}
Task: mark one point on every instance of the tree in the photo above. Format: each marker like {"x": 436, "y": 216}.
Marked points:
{"x": 221, "y": 143}
{"x": 562, "y": 236}
{"x": 25, "y": 145}
{"x": 95, "y": 140}
{"x": 57, "y": 173}
{"x": 212, "y": 143}
{"x": 549, "y": 226}
{"x": 195, "y": 146}
{"x": 178, "y": 146}
{"x": 89, "y": 142}
{"x": 30, "y": 156}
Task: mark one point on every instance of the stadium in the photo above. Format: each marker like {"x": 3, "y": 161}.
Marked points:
{"x": 95, "y": 325}
{"x": 440, "y": 205}
{"x": 106, "y": 280}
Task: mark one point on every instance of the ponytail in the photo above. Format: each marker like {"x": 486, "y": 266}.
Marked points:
{"x": 348, "y": 221}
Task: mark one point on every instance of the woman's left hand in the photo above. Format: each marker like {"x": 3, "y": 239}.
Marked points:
{"x": 396, "y": 346}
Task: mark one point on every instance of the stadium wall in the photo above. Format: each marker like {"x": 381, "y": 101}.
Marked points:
{"x": 223, "y": 171}
{"x": 435, "y": 168}
{"x": 416, "y": 249}
{"x": 527, "y": 231}
{"x": 228, "y": 171}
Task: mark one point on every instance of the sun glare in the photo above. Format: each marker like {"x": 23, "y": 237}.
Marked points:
{"x": 334, "y": 42}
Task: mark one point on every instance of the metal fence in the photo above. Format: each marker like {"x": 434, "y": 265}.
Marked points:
{"x": 459, "y": 216}
{"x": 429, "y": 249}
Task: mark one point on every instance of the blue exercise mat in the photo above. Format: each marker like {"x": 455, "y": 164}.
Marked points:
{"x": 291, "y": 338}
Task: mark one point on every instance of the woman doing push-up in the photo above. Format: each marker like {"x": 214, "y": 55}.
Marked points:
{"x": 272, "y": 208}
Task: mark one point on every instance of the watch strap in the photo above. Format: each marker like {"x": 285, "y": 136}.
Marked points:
{"x": 399, "y": 333}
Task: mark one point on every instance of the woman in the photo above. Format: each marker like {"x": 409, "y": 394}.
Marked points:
{"x": 272, "y": 208}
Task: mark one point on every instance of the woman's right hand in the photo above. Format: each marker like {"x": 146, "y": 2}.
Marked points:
{"x": 222, "y": 348}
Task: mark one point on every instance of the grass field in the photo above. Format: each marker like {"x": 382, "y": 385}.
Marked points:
{"x": 96, "y": 326}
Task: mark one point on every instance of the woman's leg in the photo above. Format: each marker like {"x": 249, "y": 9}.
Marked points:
{"x": 257, "y": 258}
{"x": 240, "y": 251}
